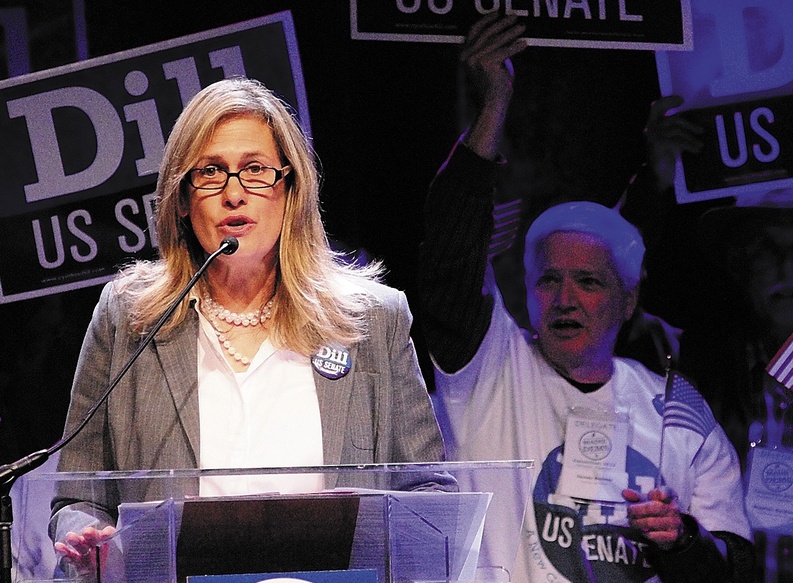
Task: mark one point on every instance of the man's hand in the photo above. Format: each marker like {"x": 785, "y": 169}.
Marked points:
{"x": 485, "y": 56}
{"x": 657, "y": 516}
{"x": 667, "y": 136}
{"x": 79, "y": 548}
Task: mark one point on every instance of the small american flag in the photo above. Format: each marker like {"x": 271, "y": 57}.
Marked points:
{"x": 685, "y": 407}
{"x": 781, "y": 366}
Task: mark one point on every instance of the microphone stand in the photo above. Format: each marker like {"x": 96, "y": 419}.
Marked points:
{"x": 10, "y": 472}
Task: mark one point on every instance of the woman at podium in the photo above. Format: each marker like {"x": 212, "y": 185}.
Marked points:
{"x": 281, "y": 354}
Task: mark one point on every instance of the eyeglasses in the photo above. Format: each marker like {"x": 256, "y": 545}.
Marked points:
{"x": 253, "y": 176}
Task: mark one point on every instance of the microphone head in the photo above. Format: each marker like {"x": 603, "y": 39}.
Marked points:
{"x": 229, "y": 245}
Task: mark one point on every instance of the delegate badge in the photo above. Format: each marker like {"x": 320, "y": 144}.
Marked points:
{"x": 769, "y": 496}
{"x": 595, "y": 452}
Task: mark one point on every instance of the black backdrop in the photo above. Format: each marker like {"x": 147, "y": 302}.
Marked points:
{"x": 383, "y": 116}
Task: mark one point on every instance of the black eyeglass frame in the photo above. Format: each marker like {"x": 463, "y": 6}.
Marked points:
{"x": 280, "y": 173}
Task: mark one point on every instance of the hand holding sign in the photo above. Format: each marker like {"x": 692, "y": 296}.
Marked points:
{"x": 667, "y": 136}
{"x": 485, "y": 57}
{"x": 486, "y": 54}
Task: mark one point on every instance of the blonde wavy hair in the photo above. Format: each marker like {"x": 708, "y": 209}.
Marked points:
{"x": 318, "y": 299}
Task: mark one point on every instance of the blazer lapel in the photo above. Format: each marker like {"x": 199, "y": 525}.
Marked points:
{"x": 178, "y": 357}
{"x": 334, "y": 405}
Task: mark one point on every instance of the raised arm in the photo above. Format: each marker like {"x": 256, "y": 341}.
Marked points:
{"x": 458, "y": 211}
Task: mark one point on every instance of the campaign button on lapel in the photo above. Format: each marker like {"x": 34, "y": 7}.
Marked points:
{"x": 332, "y": 362}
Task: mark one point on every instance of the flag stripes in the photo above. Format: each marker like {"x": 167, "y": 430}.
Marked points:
{"x": 781, "y": 366}
{"x": 506, "y": 223}
{"x": 685, "y": 407}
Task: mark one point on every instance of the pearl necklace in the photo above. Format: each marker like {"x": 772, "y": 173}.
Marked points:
{"x": 216, "y": 312}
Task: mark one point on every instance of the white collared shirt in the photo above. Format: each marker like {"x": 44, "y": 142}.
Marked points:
{"x": 267, "y": 416}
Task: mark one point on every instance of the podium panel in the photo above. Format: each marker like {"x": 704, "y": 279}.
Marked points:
{"x": 430, "y": 528}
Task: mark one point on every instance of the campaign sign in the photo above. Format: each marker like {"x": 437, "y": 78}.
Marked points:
{"x": 600, "y": 24}
{"x": 82, "y": 145}
{"x": 737, "y": 84}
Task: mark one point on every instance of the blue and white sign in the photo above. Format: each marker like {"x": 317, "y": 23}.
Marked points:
{"x": 85, "y": 141}
{"x": 737, "y": 84}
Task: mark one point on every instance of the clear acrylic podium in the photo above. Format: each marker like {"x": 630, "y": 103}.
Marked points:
{"x": 400, "y": 522}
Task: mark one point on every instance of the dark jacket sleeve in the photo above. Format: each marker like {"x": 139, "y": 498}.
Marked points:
{"x": 453, "y": 258}
{"x": 699, "y": 560}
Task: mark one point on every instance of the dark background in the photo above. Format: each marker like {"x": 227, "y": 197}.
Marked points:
{"x": 384, "y": 116}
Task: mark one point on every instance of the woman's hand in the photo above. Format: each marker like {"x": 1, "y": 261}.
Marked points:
{"x": 78, "y": 550}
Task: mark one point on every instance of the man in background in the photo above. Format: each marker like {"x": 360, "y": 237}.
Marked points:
{"x": 503, "y": 394}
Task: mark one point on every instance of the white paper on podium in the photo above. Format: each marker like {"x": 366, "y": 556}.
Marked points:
{"x": 441, "y": 531}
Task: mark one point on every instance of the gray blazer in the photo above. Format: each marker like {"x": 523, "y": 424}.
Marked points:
{"x": 379, "y": 412}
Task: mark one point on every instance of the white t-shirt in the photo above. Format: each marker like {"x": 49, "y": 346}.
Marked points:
{"x": 509, "y": 404}
{"x": 267, "y": 416}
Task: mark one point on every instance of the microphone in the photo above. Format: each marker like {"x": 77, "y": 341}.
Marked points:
{"x": 10, "y": 472}
{"x": 229, "y": 245}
